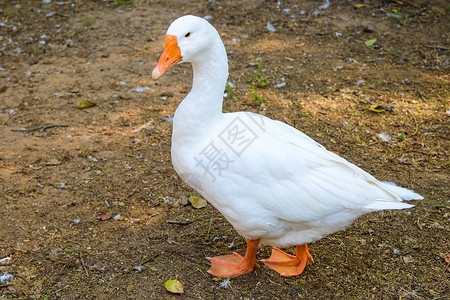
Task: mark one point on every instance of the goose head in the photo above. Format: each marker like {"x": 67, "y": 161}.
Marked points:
{"x": 188, "y": 39}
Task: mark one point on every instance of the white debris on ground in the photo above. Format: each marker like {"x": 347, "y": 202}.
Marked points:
{"x": 270, "y": 27}
{"x": 225, "y": 283}
{"x": 4, "y": 259}
{"x": 140, "y": 89}
{"x": 385, "y": 137}
{"x": 325, "y": 5}
{"x": 5, "y": 277}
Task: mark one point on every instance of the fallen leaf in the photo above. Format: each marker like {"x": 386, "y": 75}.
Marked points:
{"x": 53, "y": 162}
{"x": 376, "y": 108}
{"x": 103, "y": 216}
{"x": 447, "y": 258}
{"x": 408, "y": 259}
{"x": 174, "y": 286}
{"x": 358, "y": 5}
{"x": 300, "y": 45}
{"x": 197, "y": 202}
{"x": 370, "y": 42}
{"x": 85, "y": 104}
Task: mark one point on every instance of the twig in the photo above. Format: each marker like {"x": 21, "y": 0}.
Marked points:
{"x": 415, "y": 123}
{"x": 336, "y": 126}
{"x": 418, "y": 151}
{"x": 70, "y": 241}
{"x": 437, "y": 47}
{"x": 6, "y": 285}
{"x": 4, "y": 265}
{"x": 421, "y": 96}
{"x": 179, "y": 222}
{"x": 82, "y": 263}
{"x": 413, "y": 4}
{"x": 131, "y": 71}
{"x": 42, "y": 128}
{"x": 370, "y": 91}
{"x": 18, "y": 276}
{"x": 150, "y": 259}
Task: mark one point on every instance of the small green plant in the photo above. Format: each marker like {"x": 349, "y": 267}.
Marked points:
{"x": 88, "y": 21}
{"x": 398, "y": 16}
{"x": 121, "y": 2}
{"x": 306, "y": 114}
{"x": 259, "y": 78}
{"x": 394, "y": 54}
{"x": 401, "y": 137}
{"x": 229, "y": 91}
{"x": 257, "y": 98}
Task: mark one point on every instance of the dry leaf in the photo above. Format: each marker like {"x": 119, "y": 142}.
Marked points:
{"x": 447, "y": 258}
{"x": 358, "y": 5}
{"x": 85, "y": 104}
{"x": 53, "y": 162}
{"x": 419, "y": 225}
{"x": 103, "y": 216}
{"x": 197, "y": 202}
{"x": 408, "y": 259}
{"x": 174, "y": 286}
{"x": 376, "y": 108}
{"x": 300, "y": 45}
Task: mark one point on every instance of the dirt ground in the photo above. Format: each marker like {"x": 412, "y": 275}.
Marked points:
{"x": 383, "y": 107}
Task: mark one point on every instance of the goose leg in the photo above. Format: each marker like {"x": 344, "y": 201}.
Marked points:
{"x": 235, "y": 265}
{"x": 289, "y": 265}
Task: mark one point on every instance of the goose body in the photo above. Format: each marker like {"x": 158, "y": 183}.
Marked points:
{"x": 273, "y": 183}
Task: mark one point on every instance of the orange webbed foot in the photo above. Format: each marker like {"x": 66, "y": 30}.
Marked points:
{"x": 235, "y": 265}
{"x": 230, "y": 266}
{"x": 289, "y": 265}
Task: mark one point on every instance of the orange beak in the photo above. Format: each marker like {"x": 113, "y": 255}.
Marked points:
{"x": 170, "y": 57}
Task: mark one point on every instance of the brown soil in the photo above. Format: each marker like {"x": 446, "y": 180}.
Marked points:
{"x": 115, "y": 157}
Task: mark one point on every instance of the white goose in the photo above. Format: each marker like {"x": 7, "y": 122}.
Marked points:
{"x": 273, "y": 183}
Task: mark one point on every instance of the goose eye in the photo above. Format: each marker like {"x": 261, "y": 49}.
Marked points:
{"x": 188, "y": 34}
